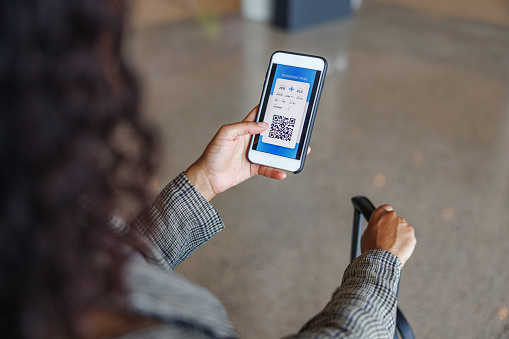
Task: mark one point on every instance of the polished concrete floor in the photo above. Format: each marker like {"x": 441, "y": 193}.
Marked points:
{"x": 414, "y": 112}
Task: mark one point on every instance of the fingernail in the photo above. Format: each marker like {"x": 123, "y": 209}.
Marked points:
{"x": 263, "y": 124}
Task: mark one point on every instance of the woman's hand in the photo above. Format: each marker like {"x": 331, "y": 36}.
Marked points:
{"x": 224, "y": 162}
{"x": 389, "y": 232}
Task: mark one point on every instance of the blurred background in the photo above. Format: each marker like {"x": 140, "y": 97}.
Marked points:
{"x": 414, "y": 112}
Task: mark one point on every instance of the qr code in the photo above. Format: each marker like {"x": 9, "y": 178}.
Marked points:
{"x": 282, "y": 128}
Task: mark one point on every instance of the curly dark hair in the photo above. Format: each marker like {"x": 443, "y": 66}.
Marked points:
{"x": 71, "y": 142}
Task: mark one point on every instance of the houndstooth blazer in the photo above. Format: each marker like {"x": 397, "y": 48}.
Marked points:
{"x": 180, "y": 220}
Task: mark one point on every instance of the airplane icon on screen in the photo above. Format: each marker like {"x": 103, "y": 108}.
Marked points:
{"x": 291, "y": 89}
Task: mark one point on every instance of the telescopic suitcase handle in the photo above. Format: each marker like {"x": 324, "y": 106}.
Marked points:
{"x": 364, "y": 207}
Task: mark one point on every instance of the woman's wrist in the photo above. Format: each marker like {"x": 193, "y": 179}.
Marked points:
{"x": 199, "y": 180}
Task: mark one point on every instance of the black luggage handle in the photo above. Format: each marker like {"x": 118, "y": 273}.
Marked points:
{"x": 362, "y": 206}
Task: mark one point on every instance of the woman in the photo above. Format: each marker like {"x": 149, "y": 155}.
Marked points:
{"x": 74, "y": 148}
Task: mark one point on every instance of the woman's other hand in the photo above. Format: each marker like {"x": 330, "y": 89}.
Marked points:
{"x": 224, "y": 162}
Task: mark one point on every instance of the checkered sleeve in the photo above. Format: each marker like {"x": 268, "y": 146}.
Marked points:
{"x": 364, "y": 306}
{"x": 178, "y": 222}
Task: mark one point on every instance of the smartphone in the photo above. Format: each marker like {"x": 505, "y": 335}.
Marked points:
{"x": 289, "y": 102}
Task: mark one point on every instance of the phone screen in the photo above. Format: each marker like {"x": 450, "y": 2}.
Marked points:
{"x": 287, "y": 107}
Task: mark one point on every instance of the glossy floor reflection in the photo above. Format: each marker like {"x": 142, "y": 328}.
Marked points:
{"x": 414, "y": 112}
